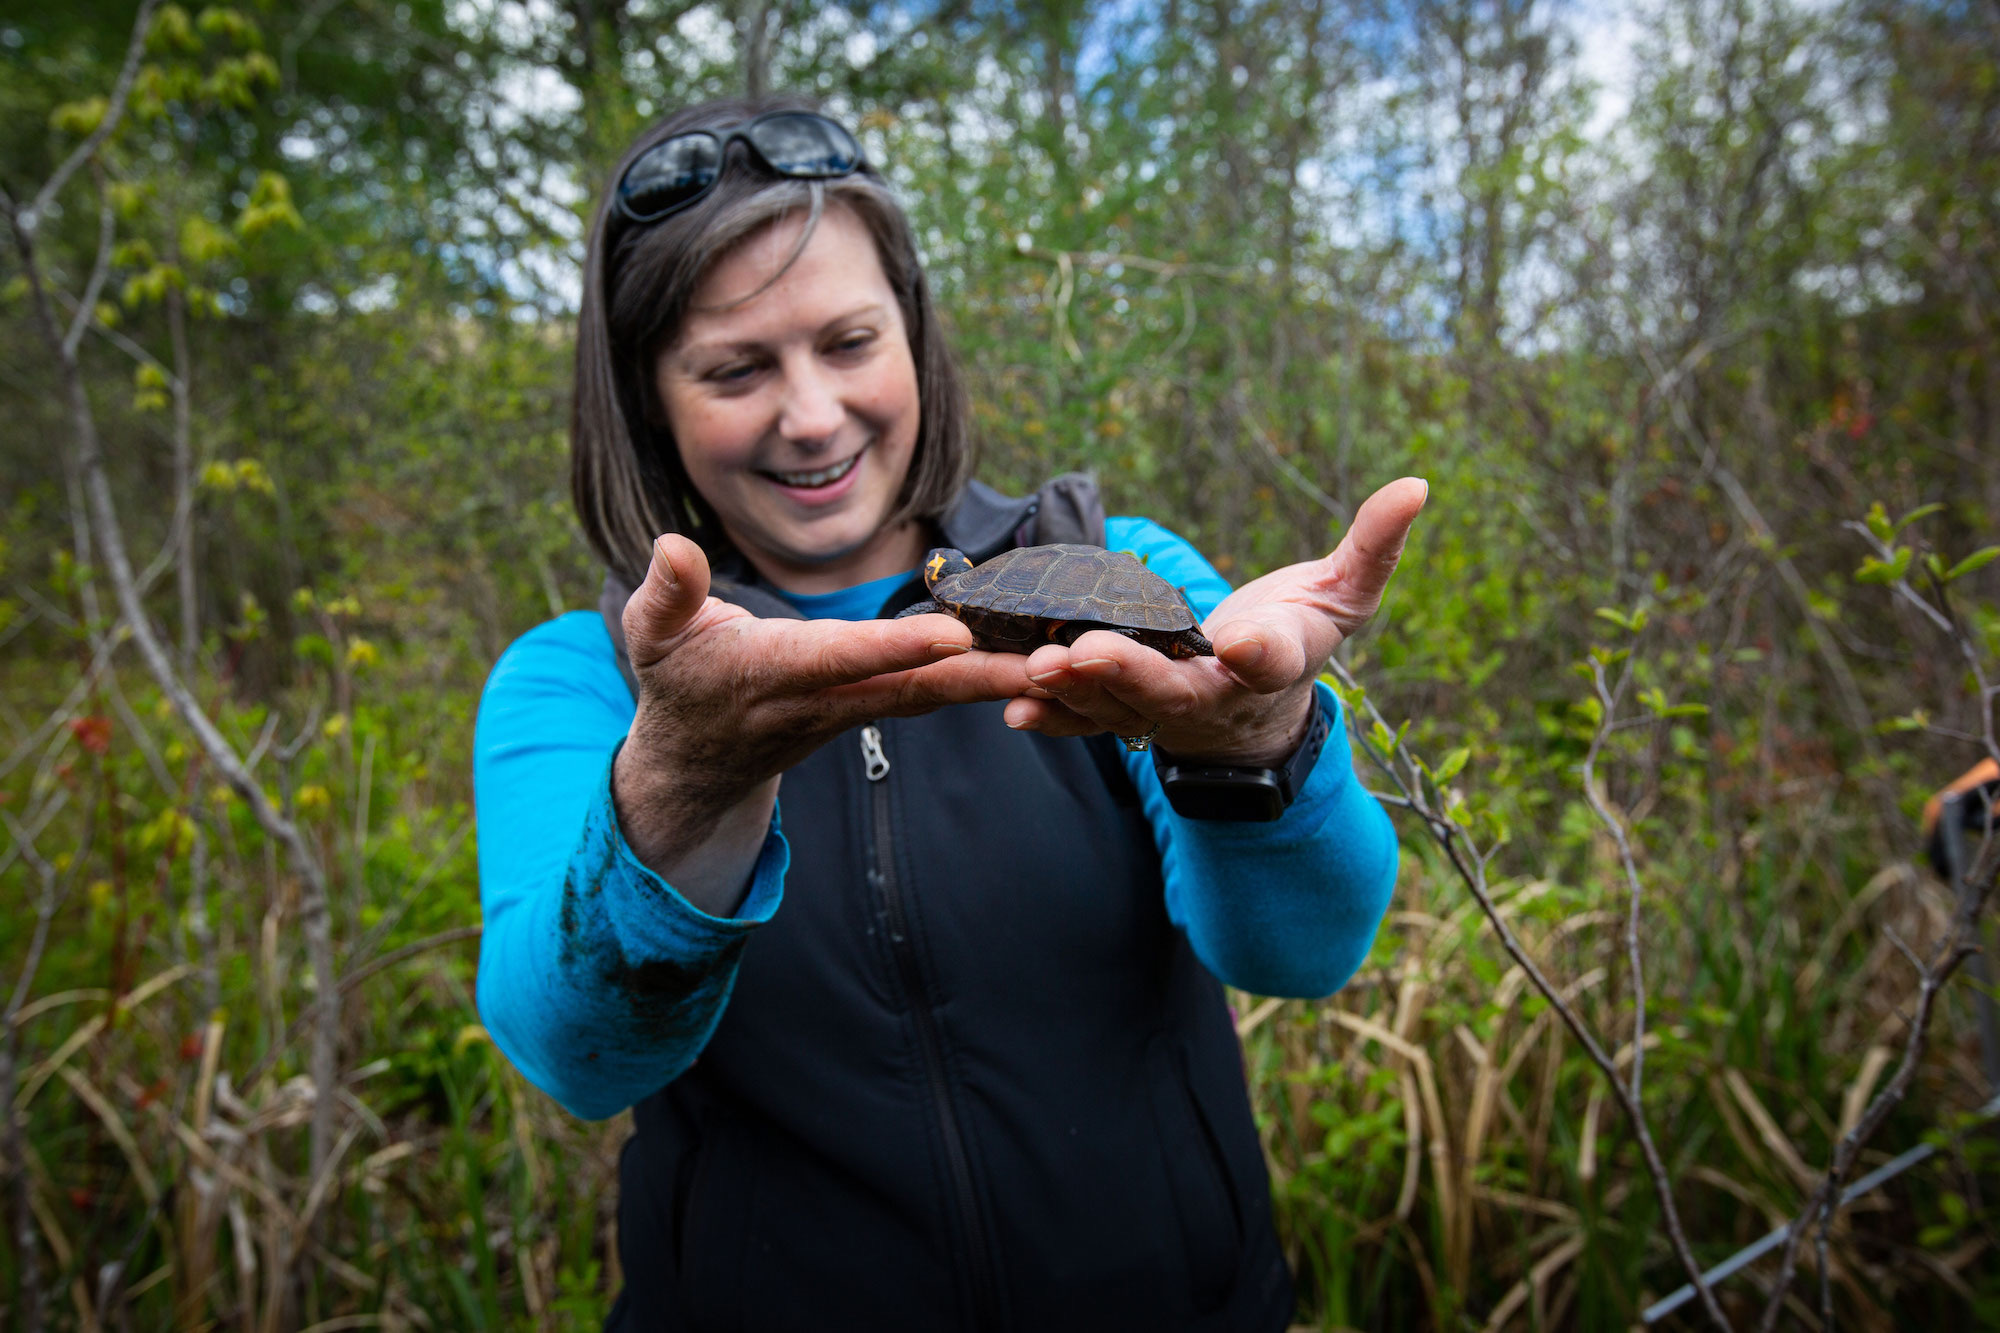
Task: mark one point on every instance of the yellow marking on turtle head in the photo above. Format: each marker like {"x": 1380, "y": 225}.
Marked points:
{"x": 934, "y": 568}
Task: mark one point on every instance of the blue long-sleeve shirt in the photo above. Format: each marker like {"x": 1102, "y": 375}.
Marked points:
{"x": 1289, "y": 907}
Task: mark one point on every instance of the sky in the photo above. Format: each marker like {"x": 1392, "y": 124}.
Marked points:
{"x": 1607, "y": 32}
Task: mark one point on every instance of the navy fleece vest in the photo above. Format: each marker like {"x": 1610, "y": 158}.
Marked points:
{"x": 971, "y": 1077}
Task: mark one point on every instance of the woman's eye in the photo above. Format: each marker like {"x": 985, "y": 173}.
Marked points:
{"x": 735, "y": 372}
{"x": 857, "y": 341}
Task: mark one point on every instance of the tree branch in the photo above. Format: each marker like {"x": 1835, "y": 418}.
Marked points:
{"x": 27, "y": 219}
{"x": 1454, "y": 840}
{"x": 1961, "y": 941}
{"x": 107, "y": 230}
{"x": 1607, "y": 698}
{"x": 88, "y": 460}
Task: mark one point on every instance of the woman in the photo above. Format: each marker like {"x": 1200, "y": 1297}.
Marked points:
{"x": 978, "y": 1072}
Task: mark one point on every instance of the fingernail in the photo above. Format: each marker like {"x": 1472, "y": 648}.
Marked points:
{"x": 1036, "y": 692}
{"x": 1100, "y": 666}
{"x": 1054, "y": 677}
{"x": 1012, "y": 725}
{"x": 949, "y": 649}
{"x": 1427, "y": 488}
{"x": 1243, "y": 652}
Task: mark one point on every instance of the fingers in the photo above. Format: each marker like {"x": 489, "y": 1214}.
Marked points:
{"x": 1286, "y": 624}
{"x": 1269, "y": 647}
{"x": 827, "y": 654}
{"x": 974, "y": 677}
{"x": 768, "y": 659}
{"x": 1360, "y": 566}
{"x": 673, "y": 593}
{"x": 1049, "y": 718}
{"x": 1125, "y": 686}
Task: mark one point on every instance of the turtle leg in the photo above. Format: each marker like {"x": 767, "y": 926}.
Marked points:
{"x": 923, "y": 608}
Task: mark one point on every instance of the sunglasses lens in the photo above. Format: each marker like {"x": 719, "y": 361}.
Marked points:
{"x": 670, "y": 174}
{"x": 801, "y": 144}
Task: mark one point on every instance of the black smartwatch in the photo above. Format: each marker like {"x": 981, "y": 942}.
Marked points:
{"x": 1236, "y": 793}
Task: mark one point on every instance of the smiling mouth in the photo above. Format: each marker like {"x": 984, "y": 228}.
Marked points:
{"x": 825, "y": 476}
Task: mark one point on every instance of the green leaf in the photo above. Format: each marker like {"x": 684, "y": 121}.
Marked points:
{"x": 1885, "y": 571}
{"x": 1921, "y": 511}
{"x": 1615, "y": 616}
{"x": 1977, "y": 560}
{"x": 1878, "y": 522}
{"x": 1686, "y": 710}
{"x": 203, "y": 242}
{"x": 1453, "y": 763}
{"x": 172, "y": 31}
{"x": 78, "y": 118}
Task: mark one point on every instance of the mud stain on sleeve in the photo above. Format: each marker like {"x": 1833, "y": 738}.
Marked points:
{"x": 672, "y": 1000}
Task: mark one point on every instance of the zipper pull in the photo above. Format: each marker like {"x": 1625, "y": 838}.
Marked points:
{"x": 872, "y": 755}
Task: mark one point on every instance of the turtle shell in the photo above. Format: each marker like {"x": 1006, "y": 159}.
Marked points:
{"x": 1039, "y": 594}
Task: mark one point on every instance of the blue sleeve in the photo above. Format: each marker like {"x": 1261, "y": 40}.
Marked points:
{"x": 1285, "y": 908}
{"x": 596, "y": 979}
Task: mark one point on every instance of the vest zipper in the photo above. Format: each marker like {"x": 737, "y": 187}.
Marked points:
{"x": 882, "y": 873}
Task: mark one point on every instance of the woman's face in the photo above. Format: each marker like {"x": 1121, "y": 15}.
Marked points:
{"x": 796, "y": 410}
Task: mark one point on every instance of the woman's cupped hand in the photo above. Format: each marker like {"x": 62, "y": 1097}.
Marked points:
{"x": 728, "y": 700}
{"x": 1251, "y": 702}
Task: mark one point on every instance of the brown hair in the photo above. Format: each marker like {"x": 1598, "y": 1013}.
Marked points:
{"x": 626, "y": 477}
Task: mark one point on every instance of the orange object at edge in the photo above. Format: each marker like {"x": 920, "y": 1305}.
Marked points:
{"x": 1980, "y": 773}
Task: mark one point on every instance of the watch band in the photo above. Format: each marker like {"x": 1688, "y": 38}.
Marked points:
{"x": 1241, "y": 793}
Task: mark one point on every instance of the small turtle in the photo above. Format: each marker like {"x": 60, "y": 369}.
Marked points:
{"x": 1024, "y": 598}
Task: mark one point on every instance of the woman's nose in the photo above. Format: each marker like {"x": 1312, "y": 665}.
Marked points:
{"x": 812, "y": 412}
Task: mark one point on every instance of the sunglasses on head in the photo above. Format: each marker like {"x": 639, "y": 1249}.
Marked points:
{"x": 675, "y": 172}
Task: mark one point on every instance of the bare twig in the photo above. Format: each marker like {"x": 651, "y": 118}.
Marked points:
{"x": 1757, "y": 1249}
{"x": 355, "y": 976}
{"x": 1960, "y": 942}
{"x": 1607, "y": 700}
{"x": 1954, "y": 950}
{"x": 1104, "y": 259}
{"x": 1287, "y": 468}
{"x": 88, "y": 462}
{"x": 1668, "y": 385}
{"x": 86, "y": 305}
{"x": 113, "y": 336}
{"x": 1944, "y": 617}
{"x": 1470, "y": 864}
{"x": 27, "y": 219}
{"x": 181, "y": 540}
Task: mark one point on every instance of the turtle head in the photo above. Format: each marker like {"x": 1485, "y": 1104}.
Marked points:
{"x": 941, "y": 564}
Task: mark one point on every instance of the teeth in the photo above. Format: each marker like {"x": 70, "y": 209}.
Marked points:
{"x": 825, "y": 476}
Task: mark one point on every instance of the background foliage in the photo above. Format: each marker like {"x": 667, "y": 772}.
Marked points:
{"x": 1651, "y": 330}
